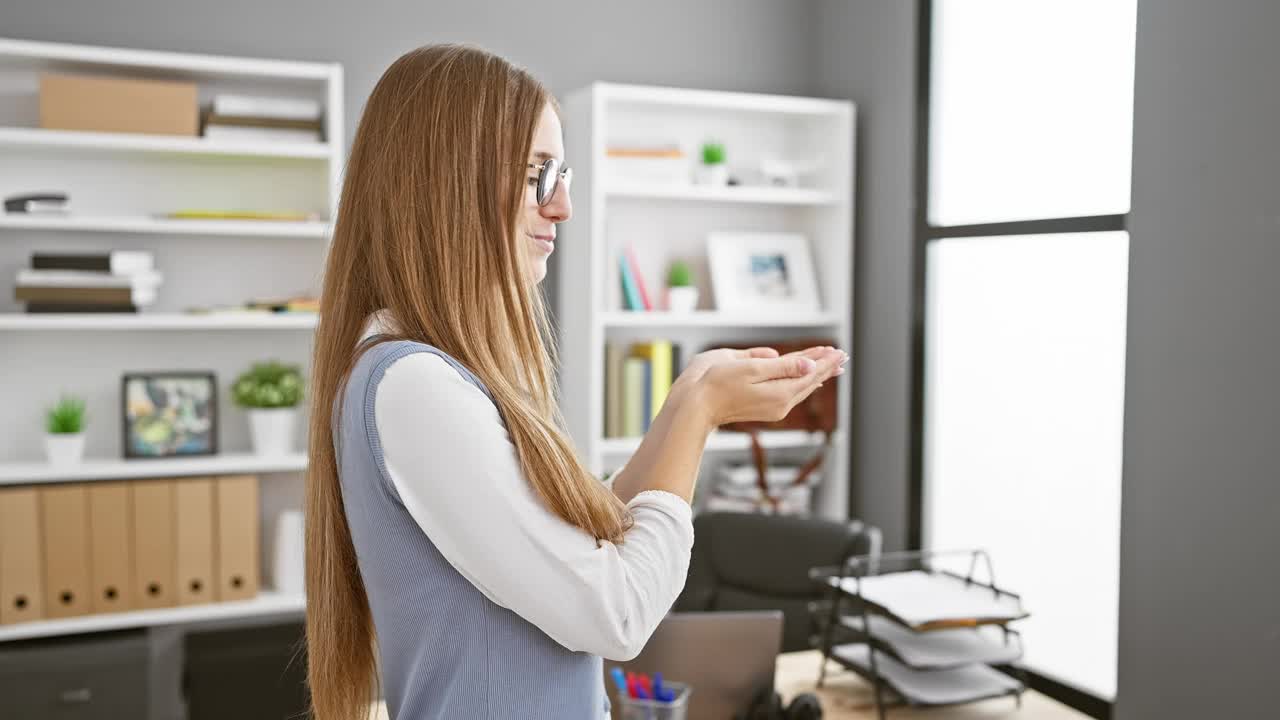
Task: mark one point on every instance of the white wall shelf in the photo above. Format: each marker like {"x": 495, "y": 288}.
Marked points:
{"x": 715, "y": 319}
{"x": 266, "y": 604}
{"x": 173, "y": 144}
{"x": 248, "y": 320}
{"x": 728, "y": 194}
{"x": 35, "y": 473}
{"x": 662, "y": 222}
{"x": 163, "y": 226}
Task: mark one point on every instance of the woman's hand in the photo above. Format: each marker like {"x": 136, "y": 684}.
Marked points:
{"x": 756, "y": 384}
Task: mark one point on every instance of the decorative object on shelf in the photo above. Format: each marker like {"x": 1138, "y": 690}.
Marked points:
{"x": 762, "y": 271}
{"x": 779, "y": 172}
{"x": 713, "y": 170}
{"x": 271, "y": 392}
{"x": 169, "y": 414}
{"x": 64, "y": 431}
{"x": 682, "y": 294}
{"x": 739, "y": 490}
{"x": 818, "y": 413}
{"x": 289, "y": 553}
{"x": 656, "y": 162}
{"x": 40, "y": 203}
{"x": 97, "y": 103}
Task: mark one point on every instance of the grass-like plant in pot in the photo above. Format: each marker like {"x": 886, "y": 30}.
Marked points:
{"x": 682, "y": 294}
{"x": 270, "y": 391}
{"x": 713, "y": 170}
{"x": 64, "y": 430}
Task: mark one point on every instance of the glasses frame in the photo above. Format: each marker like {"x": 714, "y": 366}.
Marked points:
{"x": 550, "y": 177}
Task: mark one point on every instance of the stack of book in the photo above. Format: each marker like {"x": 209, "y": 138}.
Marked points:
{"x": 738, "y": 490}
{"x": 635, "y": 294}
{"x": 120, "y": 281}
{"x": 638, "y": 377}
{"x": 248, "y": 118}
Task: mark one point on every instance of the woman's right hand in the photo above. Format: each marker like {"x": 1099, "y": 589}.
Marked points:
{"x": 765, "y": 389}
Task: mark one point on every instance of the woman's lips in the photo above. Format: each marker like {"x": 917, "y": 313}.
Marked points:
{"x": 546, "y": 243}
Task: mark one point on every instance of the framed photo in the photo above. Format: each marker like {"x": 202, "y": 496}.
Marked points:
{"x": 168, "y": 414}
{"x": 762, "y": 271}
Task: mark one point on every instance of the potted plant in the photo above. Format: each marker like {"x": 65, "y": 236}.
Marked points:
{"x": 682, "y": 296}
{"x": 270, "y": 391}
{"x": 713, "y": 171}
{"x": 64, "y": 431}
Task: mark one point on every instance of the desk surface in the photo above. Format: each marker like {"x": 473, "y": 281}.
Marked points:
{"x": 845, "y": 696}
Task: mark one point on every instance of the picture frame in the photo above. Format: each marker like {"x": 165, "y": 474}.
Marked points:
{"x": 762, "y": 271}
{"x": 169, "y": 414}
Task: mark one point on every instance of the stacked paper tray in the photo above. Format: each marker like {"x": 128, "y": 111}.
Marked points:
{"x": 964, "y": 684}
{"x": 934, "y": 601}
{"x": 940, "y": 649}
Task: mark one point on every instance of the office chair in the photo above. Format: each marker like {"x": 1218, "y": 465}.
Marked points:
{"x": 747, "y": 561}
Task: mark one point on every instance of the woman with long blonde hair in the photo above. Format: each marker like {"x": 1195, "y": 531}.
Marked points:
{"x": 458, "y": 552}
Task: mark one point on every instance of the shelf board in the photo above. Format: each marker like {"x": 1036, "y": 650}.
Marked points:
{"x": 266, "y": 604}
{"x": 720, "y": 100}
{"x": 63, "y": 56}
{"x": 727, "y": 441}
{"x": 164, "y": 226}
{"x": 30, "y": 473}
{"x": 170, "y": 144}
{"x": 713, "y": 318}
{"x": 158, "y": 321}
{"x": 729, "y": 194}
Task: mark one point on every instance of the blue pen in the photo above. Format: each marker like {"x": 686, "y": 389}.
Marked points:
{"x": 659, "y": 692}
{"x": 640, "y": 692}
{"x": 620, "y": 680}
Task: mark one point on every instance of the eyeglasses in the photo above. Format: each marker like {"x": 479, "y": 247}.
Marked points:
{"x": 550, "y": 176}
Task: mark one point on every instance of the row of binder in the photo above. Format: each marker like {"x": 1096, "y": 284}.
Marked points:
{"x": 76, "y": 549}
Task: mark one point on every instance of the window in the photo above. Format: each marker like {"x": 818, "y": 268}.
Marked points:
{"x": 1023, "y": 284}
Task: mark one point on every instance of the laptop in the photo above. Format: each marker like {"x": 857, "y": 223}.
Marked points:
{"x": 726, "y": 657}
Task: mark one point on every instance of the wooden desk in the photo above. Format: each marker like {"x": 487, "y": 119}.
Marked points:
{"x": 846, "y": 696}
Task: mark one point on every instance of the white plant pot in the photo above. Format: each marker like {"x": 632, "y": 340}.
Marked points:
{"x": 271, "y": 430}
{"x": 712, "y": 174}
{"x": 64, "y": 448}
{"x": 682, "y": 299}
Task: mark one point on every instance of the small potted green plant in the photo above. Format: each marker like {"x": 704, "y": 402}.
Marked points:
{"x": 64, "y": 431}
{"x": 713, "y": 170}
{"x": 270, "y": 391}
{"x": 682, "y": 294}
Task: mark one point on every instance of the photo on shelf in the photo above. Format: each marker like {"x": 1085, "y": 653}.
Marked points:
{"x": 167, "y": 414}
{"x": 762, "y": 271}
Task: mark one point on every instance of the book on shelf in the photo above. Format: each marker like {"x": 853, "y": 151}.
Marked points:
{"x": 630, "y": 292}
{"x": 149, "y": 279}
{"x": 638, "y": 278}
{"x": 244, "y": 133}
{"x": 116, "y": 262}
{"x": 638, "y": 379}
{"x": 85, "y": 295}
{"x": 78, "y": 307}
{"x": 209, "y": 214}
{"x": 282, "y": 108}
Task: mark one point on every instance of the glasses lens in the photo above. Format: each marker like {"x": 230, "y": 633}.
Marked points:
{"x": 547, "y": 180}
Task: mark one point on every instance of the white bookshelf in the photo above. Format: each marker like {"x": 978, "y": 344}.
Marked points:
{"x": 268, "y": 603}
{"x": 665, "y": 221}
{"x": 121, "y": 186}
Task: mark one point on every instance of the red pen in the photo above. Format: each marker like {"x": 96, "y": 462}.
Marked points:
{"x": 631, "y": 686}
{"x": 643, "y": 681}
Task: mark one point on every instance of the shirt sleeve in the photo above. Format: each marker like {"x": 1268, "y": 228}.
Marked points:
{"x": 452, "y": 462}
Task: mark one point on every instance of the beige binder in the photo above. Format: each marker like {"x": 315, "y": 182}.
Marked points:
{"x": 237, "y": 530}
{"x": 153, "y": 543}
{"x": 110, "y": 547}
{"x": 21, "y": 579}
{"x": 64, "y": 525}
{"x": 193, "y": 505}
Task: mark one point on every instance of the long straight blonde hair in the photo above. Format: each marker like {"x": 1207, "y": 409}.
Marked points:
{"x": 429, "y": 228}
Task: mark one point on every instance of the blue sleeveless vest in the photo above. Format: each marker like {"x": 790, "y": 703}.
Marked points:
{"x": 446, "y": 651}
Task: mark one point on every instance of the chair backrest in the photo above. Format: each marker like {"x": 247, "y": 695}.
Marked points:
{"x": 747, "y": 561}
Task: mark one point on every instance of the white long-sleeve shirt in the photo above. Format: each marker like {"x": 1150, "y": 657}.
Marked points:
{"x": 452, "y": 462}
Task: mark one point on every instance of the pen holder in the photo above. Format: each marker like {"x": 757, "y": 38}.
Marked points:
{"x": 678, "y": 709}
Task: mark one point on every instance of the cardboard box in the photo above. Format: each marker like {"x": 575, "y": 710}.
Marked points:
{"x": 107, "y": 104}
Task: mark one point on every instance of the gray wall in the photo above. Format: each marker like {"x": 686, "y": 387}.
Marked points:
{"x": 1199, "y": 584}
{"x": 866, "y": 52}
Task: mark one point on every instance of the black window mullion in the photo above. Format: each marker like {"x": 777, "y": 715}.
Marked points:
{"x": 1088, "y": 223}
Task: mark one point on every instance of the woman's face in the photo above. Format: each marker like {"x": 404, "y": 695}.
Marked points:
{"x": 540, "y": 221}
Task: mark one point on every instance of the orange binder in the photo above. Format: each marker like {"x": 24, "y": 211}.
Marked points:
{"x": 64, "y": 525}
{"x": 193, "y": 506}
{"x": 110, "y": 547}
{"x": 21, "y": 578}
{"x": 153, "y": 543}
{"x": 237, "y": 530}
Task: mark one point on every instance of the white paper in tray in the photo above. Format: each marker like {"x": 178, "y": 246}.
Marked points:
{"x": 921, "y": 598}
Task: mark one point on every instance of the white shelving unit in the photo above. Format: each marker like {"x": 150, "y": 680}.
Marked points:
{"x": 663, "y": 222}
{"x": 120, "y": 187}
